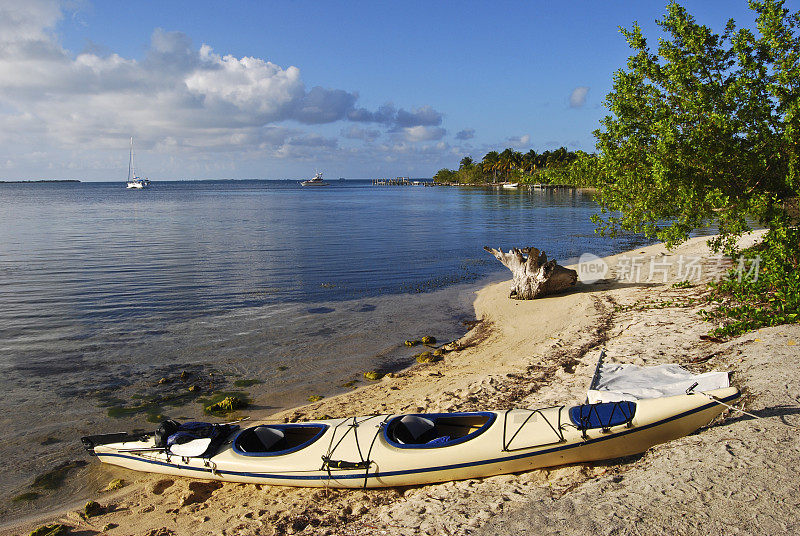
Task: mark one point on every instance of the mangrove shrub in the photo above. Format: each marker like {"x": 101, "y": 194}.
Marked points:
{"x": 706, "y": 129}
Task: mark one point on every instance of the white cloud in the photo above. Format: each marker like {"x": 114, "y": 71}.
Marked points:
{"x": 22, "y": 22}
{"x": 520, "y": 141}
{"x": 578, "y": 97}
{"x": 249, "y": 85}
{"x": 177, "y": 100}
{"x": 422, "y": 133}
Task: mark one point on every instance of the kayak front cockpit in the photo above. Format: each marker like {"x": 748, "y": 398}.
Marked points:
{"x": 276, "y": 439}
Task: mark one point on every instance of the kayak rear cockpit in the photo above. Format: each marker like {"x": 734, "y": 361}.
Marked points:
{"x": 434, "y": 430}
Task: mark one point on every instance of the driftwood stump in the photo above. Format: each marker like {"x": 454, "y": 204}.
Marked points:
{"x": 534, "y": 276}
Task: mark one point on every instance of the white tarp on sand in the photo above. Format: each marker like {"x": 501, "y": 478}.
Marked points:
{"x": 616, "y": 382}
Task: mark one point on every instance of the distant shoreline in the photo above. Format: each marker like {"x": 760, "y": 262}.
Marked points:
{"x": 520, "y": 186}
{"x": 40, "y": 180}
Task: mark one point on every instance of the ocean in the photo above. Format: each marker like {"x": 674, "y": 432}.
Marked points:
{"x": 112, "y": 300}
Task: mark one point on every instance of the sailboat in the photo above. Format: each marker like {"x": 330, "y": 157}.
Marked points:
{"x": 135, "y": 182}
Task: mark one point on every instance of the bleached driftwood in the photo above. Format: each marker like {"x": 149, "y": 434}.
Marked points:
{"x": 534, "y": 276}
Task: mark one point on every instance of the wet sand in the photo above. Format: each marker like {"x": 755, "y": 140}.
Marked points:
{"x": 738, "y": 475}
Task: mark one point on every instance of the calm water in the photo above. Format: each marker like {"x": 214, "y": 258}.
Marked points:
{"x": 99, "y": 254}
{"x": 104, "y": 288}
{"x": 80, "y": 259}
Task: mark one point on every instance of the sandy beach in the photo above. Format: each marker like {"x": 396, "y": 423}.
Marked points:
{"x": 736, "y": 476}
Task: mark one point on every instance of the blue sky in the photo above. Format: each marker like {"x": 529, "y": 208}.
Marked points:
{"x": 276, "y": 90}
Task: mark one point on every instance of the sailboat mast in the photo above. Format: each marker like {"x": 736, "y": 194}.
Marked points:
{"x": 130, "y": 161}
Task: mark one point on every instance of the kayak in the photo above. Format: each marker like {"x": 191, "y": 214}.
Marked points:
{"x": 413, "y": 449}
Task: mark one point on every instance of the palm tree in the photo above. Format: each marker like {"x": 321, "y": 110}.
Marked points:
{"x": 529, "y": 162}
{"x": 490, "y": 163}
{"x": 510, "y": 161}
{"x": 559, "y": 156}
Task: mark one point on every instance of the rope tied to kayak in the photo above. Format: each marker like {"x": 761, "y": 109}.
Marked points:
{"x": 691, "y": 391}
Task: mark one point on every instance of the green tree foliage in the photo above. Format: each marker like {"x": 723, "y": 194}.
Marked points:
{"x": 744, "y": 302}
{"x": 705, "y": 129}
{"x": 511, "y": 165}
{"x": 580, "y": 169}
{"x": 444, "y": 175}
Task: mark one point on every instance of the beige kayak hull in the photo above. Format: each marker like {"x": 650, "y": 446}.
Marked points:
{"x": 514, "y": 441}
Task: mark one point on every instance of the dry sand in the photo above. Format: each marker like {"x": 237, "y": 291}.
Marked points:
{"x": 737, "y": 476}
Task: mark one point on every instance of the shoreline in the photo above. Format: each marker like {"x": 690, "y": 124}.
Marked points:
{"x": 520, "y": 185}
{"x": 320, "y": 365}
{"x": 535, "y": 353}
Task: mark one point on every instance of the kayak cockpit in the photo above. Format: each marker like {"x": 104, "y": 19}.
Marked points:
{"x": 276, "y": 439}
{"x": 432, "y": 430}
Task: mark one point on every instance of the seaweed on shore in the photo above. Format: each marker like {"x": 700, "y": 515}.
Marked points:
{"x": 226, "y": 405}
{"x": 56, "y": 529}
{"x": 114, "y": 485}
{"x": 154, "y": 406}
{"x": 221, "y": 403}
{"x": 247, "y": 383}
{"x": 167, "y": 388}
{"x": 27, "y": 496}
{"x": 428, "y": 357}
{"x": 175, "y": 386}
{"x": 55, "y": 477}
{"x": 92, "y": 509}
